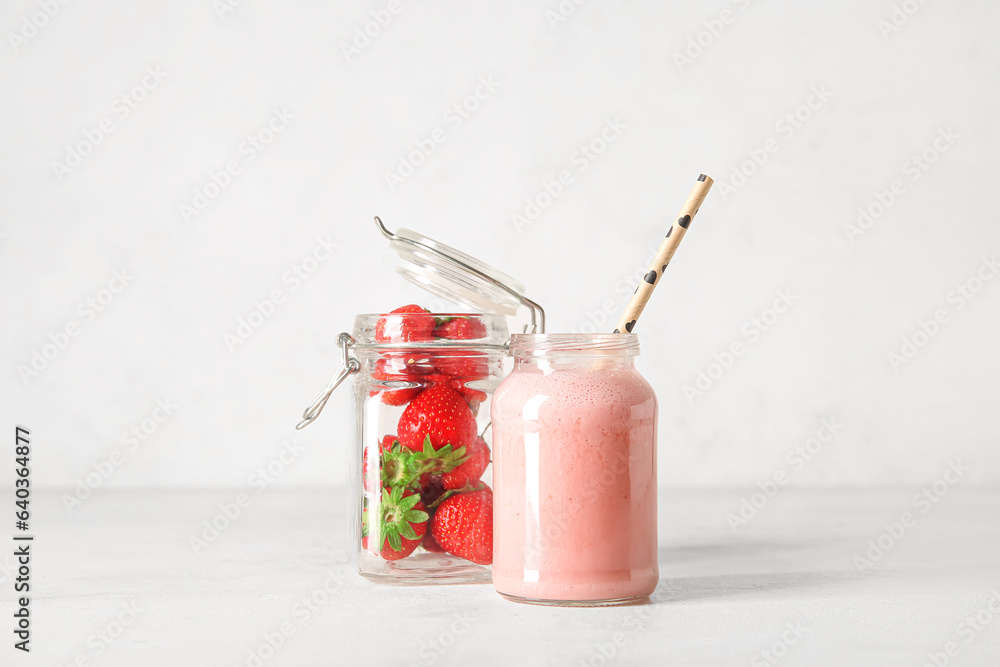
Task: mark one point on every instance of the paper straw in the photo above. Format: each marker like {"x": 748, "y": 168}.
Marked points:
{"x": 667, "y": 249}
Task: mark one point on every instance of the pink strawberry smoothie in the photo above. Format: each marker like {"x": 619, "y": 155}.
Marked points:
{"x": 575, "y": 484}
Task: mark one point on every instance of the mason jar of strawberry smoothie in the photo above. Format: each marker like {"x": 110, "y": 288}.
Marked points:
{"x": 574, "y": 472}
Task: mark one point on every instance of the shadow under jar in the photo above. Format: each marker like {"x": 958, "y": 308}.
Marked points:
{"x": 423, "y": 411}
{"x": 574, "y": 434}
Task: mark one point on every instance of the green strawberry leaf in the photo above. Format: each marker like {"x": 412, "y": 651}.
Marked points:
{"x": 417, "y": 516}
{"x": 441, "y": 460}
{"x": 392, "y": 537}
{"x": 399, "y": 518}
{"x": 401, "y": 468}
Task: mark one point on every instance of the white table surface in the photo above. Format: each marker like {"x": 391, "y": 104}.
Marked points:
{"x": 722, "y": 599}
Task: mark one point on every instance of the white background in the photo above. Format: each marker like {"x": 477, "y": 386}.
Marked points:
{"x": 559, "y": 82}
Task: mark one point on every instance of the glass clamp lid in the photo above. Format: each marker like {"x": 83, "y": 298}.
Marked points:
{"x": 445, "y": 272}
{"x": 456, "y": 276}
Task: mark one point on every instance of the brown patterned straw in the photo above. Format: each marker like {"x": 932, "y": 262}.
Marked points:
{"x": 667, "y": 249}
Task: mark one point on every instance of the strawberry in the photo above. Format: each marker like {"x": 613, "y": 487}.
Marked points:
{"x": 431, "y": 489}
{"x": 405, "y": 324}
{"x": 460, "y": 328}
{"x": 402, "y": 523}
{"x": 430, "y": 544}
{"x": 416, "y": 470}
{"x": 398, "y": 466}
{"x": 387, "y": 371}
{"x": 465, "y": 364}
{"x": 437, "y": 378}
{"x": 440, "y": 414}
{"x": 463, "y": 525}
{"x": 477, "y": 457}
{"x": 407, "y": 365}
{"x": 474, "y": 397}
{"x": 369, "y": 472}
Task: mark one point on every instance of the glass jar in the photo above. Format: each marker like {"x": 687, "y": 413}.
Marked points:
{"x": 421, "y": 502}
{"x": 574, "y": 435}
{"x": 423, "y": 412}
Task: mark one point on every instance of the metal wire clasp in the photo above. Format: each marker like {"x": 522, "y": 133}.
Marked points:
{"x": 350, "y": 366}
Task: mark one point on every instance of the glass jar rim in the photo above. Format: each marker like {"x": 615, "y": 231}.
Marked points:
{"x": 497, "y": 335}
{"x": 582, "y": 344}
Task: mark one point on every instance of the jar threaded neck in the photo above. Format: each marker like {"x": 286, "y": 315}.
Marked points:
{"x": 570, "y": 344}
